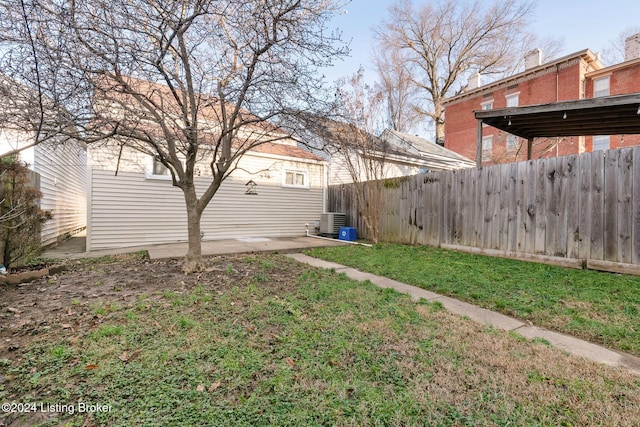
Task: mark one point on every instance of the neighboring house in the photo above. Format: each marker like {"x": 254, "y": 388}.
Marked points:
{"x": 436, "y": 157}
{"x": 350, "y": 151}
{"x": 132, "y": 201}
{"x": 62, "y": 167}
{"x": 572, "y": 77}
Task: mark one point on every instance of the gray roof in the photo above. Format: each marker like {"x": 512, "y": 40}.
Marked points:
{"x": 440, "y": 156}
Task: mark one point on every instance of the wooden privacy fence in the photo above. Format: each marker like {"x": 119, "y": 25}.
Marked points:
{"x": 580, "y": 207}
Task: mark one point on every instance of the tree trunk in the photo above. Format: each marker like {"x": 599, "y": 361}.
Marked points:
{"x": 440, "y": 132}
{"x": 193, "y": 260}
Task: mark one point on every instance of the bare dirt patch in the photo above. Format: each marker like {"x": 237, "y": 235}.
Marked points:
{"x": 78, "y": 298}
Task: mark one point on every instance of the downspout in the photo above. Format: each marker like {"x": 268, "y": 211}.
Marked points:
{"x": 325, "y": 187}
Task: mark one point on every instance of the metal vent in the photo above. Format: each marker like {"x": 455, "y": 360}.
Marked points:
{"x": 331, "y": 222}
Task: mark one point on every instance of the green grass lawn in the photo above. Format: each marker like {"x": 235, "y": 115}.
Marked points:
{"x": 263, "y": 340}
{"x": 599, "y": 307}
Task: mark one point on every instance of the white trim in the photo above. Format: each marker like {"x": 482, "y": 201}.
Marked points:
{"x": 482, "y": 104}
{"x": 325, "y": 187}
{"x": 602, "y": 79}
{"x": 303, "y": 172}
{"x": 282, "y": 157}
{"x": 507, "y": 97}
{"x": 87, "y": 247}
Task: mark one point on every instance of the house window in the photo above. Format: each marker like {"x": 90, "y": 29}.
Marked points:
{"x": 295, "y": 178}
{"x": 601, "y": 143}
{"x": 487, "y": 145}
{"x": 601, "y": 87}
{"x": 486, "y": 105}
{"x": 155, "y": 169}
{"x": 513, "y": 100}
{"x": 159, "y": 168}
{"x": 512, "y": 142}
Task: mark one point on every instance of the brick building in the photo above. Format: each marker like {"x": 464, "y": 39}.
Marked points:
{"x": 572, "y": 77}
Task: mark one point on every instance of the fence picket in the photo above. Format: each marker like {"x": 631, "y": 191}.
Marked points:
{"x": 635, "y": 233}
{"x": 597, "y": 206}
{"x": 579, "y": 207}
{"x": 611, "y": 205}
{"x": 541, "y": 207}
{"x": 522, "y": 200}
{"x": 570, "y": 232}
{"x": 553, "y": 176}
{"x": 625, "y": 192}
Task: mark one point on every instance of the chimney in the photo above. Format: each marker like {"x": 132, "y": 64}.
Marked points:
{"x": 632, "y": 47}
{"x": 532, "y": 59}
{"x": 474, "y": 81}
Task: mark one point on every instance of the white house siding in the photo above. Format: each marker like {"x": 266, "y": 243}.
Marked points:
{"x": 63, "y": 180}
{"x": 133, "y": 209}
{"x": 63, "y": 183}
{"x": 339, "y": 172}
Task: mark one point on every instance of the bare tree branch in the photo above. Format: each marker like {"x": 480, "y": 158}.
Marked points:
{"x": 178, "y": 79}
{"x": 445, "y": 42}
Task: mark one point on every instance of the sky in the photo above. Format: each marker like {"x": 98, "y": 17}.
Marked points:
{"x": 582, "y": 24}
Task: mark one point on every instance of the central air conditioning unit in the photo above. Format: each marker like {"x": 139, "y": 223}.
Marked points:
{"x": 331, "y": 222}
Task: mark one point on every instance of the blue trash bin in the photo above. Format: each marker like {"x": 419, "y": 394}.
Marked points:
{"x": 348, "y": 233}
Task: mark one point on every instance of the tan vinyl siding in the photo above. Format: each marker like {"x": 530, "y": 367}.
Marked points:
{"x": 131, "y": 210}
{"x": 63, "y": 183}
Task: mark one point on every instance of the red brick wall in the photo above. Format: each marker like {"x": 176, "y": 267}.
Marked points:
{"x": 461, "y": 125}
{"x": 621, "y": 81}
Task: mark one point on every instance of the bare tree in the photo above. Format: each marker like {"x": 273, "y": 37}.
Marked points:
{"x": 397, "y": 89}
{"x": 615, "y": 52}
{"x": 363, "y": 154}
{"x": 447, "y": 41}
{"x": 32, "y": 108}
{"x": 185, "y": 80}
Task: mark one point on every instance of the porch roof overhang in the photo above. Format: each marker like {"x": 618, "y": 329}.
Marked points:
{"x": 607, "y": 115}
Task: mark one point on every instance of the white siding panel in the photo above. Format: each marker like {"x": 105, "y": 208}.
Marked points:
{"x": 261, "y": 168}
{"x": 130, "y": 210}
{"x": 339, "y": 172}
{"x": 63, "y": 183}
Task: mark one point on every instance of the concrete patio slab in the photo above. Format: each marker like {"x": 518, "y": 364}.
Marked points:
{"x": 74, "y": 247}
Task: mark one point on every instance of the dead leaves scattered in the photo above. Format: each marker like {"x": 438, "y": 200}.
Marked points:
{"x": 213, "y": 387}
{"x": 127, "y": 357}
